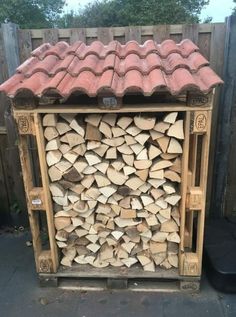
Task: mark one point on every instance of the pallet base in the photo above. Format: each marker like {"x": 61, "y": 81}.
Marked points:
{"x": 84, "y": 277}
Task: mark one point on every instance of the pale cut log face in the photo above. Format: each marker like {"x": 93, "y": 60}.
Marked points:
{"x": 115, "y": 184}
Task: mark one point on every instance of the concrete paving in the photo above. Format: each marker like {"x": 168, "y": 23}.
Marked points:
{"x": 20, "y": 294}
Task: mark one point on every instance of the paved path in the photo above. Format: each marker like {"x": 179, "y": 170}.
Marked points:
{"x": 20, "y": 295}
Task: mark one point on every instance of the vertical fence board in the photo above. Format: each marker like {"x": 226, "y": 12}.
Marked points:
{"x": 50, "y": 36}
{"x": 78, "y": 35}
{"x": 105, "y": 35}
{"x": 161, "y": 33}
{"x": 25, "y": 44}
{"x": 191, "y": 31}
{"x": 133, "y": 33}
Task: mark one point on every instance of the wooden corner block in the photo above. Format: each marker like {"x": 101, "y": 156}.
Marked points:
{"x": 195, "y": 99}
{"x": 194, "y": 200}
{"x": 37, "y": 198}
{"x": 190, "y": 264}
{"x": 25, "y": 123}
{"x": 199, "y": 122}
{"x": 45, "y": 262}
{"x": 109, "y": 102}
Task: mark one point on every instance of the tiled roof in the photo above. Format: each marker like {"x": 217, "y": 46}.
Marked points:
{"x": 117, "y": 68}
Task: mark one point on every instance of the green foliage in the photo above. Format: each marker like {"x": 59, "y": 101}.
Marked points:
{"x": 31, "y": 13}
{"x": 107, "y": 13}
{"x": 234, "y": 10}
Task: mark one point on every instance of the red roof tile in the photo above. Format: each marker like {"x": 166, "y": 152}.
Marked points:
{"x": 116, "y": 68}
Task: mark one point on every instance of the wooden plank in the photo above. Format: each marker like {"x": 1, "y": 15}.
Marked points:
{"x": 50, "y": 36}
{"x": 223, "y": 135}
{"x": 120, "y": 31}
{"x": 133, "y": 33}
{"x": 203, "y": 186}
{"x": 47, "y": 196}
{"x": 126, "y": 109}
{"x": 161, "y": 33}
{"x": 184, "y": 183}
{"x": 25, "y": 44}
{"x": 105, "y": 35}
{"x": 28, "y": 185}
{"x": 191, "y": 31}
{"x": 77, "y": 35}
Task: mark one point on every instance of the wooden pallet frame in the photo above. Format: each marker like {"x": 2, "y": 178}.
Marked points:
{"x": 198, "y": 110}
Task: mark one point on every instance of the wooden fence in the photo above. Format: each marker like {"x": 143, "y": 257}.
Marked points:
{"x": 15, "y": 47}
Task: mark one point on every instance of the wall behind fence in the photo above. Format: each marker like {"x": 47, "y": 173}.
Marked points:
{"x": 209, "y": 38}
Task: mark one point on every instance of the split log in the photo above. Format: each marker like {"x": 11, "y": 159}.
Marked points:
{"x": 173, "y": 176}
{"x": 169, "y": 226}
{"x": 170, "y": 117}
{"x": 153, "y": 152}
{"x": 160, "y": 164}
{"x": 141, "y": 138}
{"x": 161, "y": 127}
{"x": 49, "y": 120}
{"x": 77, "y": 127}
{"x": 124, "y": 149}
{"x": 137, "y": 148}
{"x": 133, "y": 130}
{"x": 68, "y": 117}
{"x": 53, "y": 144}
{"x": 173, "y": 199}
{"x": 61, "y": 222}
{"x": 127, "y": 213}
{"x": 111, "y": 153}
{"x": 134, "y": 182}
{"x": 142, "y": 174}
{"x": 124, "y": 122}
{"x": 80, "y": 165}
{"x": 93, "y": 119}
{"x": 177, "y": 130}
{"x": 128, "y": 159}
{"x": 62, "y": 127}
{"x": 163, "y": 143}
{"x": 53, "y": 157}
{"x": 64, "y": 148}
{"x": 71, "y": 156}
{"x": 157, "y": 174}
{"x": 110, "y": 118}
{"x": 92, "y": 158}
{"x": 72, "y": 175}
{"x": 50, "y": 133}
{"x": 74, "y": 139}
{"x": 54, "y": 173}
{"x": 80, "y": 149}
{"x": 105, "y": 129}
{"x": 57, "y": 190}
{"x": 114, "y": 142}
{"x": 117, "y": 132}
{"x": 107, "y": 191}
{"x": 117, "y": 178}
{"x": 174, "y": 147}
{"x": 101, "y": 150}
{"x": 63, "y": 165}
{"x": 144, "y": 123}
{"x": 92, "y": 133}
{"x": 142, "y": 164}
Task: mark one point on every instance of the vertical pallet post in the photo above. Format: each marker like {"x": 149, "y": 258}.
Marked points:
{"x": 184, "y": 177}
{"x": 53, "y": 254}
{"x": 25, "y": 128}
{"x": 191, "y": 262}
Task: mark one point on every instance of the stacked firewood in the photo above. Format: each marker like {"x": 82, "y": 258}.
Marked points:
{"x": 115, "y": 183}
